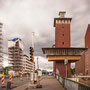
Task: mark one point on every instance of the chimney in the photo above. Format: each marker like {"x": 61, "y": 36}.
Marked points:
{"x": 62, "y": 14}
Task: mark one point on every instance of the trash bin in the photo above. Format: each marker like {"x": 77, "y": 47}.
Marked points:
{"x": 8, "y": 85}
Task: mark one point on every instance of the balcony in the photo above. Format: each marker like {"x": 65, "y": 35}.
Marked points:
{"x": 60, "y": 54}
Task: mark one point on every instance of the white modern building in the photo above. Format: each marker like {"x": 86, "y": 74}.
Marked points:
{"x": 28, "y": 65}
{"x": 15, "y": 50}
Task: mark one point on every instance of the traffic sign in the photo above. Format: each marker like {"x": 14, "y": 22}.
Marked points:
{"x": 66, "y": 61}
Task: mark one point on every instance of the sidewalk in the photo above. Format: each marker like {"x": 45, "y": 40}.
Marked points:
{"x": 47, "y": 82}
{"x": 22, "y": 87}
{"x": 50, "y": 83}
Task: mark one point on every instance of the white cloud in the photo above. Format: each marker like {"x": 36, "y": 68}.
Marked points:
{"x": 22, "y": 17}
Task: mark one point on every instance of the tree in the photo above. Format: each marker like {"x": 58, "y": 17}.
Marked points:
{"x": 5, "y": 70}
{"x": 73, "y": 71}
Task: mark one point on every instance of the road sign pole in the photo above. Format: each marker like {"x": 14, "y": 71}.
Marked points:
{"x": 66, "y": 70}
{"x": 66, "y": 62}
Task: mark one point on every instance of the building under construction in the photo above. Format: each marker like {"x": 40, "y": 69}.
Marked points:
{"x": 15, "y": 49}
{"x": 28, "y": 65}
{"x": 1, "y": 46}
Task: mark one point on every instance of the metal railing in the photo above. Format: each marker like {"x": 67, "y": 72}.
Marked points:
{"x": 72, "y": 85}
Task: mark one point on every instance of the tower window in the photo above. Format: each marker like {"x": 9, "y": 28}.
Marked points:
{"x": 62, "y": 34}
{"x": 62, "y": 43}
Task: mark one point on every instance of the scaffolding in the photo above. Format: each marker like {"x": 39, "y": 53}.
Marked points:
{"x": 16, "y": 57}
{"x": 28, "y": 65}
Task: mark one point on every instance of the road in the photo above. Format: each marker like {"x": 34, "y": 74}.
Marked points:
{"x": 47, "y": 82}
{"x": 15, "y": 82}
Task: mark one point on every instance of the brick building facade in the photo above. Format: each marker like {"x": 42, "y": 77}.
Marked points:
{"x": 87, "y": 37}
{"x": 62, "y": 35}
{"x": 61, "y": 68}
{"x": 83, "y": 66}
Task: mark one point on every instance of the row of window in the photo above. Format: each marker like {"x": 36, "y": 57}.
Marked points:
{"x": 62, "y": 43}
{"x": 62, "y": 21}
{"x": 62, "y": 35}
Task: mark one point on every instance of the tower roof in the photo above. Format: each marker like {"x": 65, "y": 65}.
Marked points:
{"x": 62, "y": 14}
{"x": 61, "y": 17}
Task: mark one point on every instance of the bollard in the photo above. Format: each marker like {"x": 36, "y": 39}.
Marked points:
{"x": 3, "y": 80}
{"x": 35, "y": 78}
{"x": 10, "y": 77}
{"x": 9, "y": 85}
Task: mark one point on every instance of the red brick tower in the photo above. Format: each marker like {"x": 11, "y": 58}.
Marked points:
{"x": 87, "y": 37}
{"x": 62, "y": 39}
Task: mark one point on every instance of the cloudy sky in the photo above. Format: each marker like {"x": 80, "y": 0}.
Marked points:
{"x": 22, "y": 17}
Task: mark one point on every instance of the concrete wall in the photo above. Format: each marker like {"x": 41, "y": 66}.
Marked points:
{"x": 72, "y": 85}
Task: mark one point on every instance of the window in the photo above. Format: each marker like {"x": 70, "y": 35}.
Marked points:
{"x": 62, "y": 34}
{"x": 62, "y": 43}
